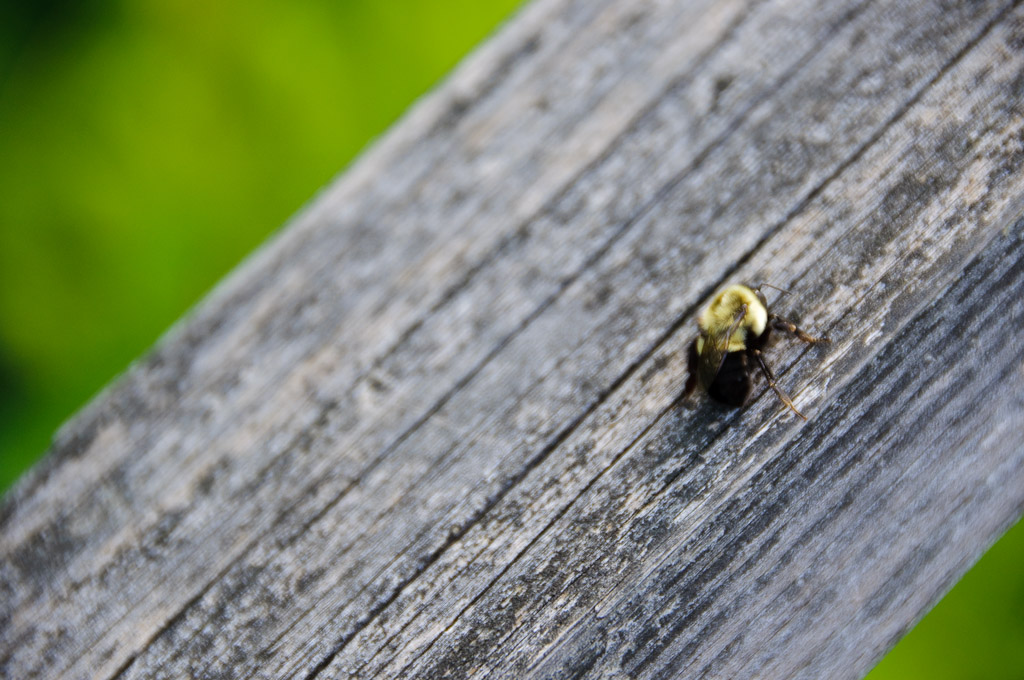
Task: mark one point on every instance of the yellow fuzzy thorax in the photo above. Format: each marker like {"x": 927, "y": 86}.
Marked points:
{"x": 720, "y": 316}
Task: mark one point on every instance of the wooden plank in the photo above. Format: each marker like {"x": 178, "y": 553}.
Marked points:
{"x": 432, "y": 428}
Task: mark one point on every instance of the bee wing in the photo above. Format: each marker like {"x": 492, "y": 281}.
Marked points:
{"x": 714, "y": 349}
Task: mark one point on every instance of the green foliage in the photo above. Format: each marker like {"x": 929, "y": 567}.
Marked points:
{"x": 147, "y": 146}
{"x": 976, "y": 632}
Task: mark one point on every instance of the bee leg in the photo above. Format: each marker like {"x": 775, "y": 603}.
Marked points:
{"x": 780, "y": 324}
{"x": 771, "y": 382}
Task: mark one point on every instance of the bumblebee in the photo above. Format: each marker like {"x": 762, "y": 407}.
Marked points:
{"x": 734, "y": 331}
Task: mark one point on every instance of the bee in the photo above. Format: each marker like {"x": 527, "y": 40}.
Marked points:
{"x": 734, "y": 331}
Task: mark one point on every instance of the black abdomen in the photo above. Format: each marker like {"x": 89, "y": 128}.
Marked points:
{"x": 732, "y": 385}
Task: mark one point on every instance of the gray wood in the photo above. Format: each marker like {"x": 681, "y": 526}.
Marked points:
{"x": 432, "y": 428}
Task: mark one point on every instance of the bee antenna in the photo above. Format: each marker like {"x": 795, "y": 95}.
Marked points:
{"x": 781, "y": 290}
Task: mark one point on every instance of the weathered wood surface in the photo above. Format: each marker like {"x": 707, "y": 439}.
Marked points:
{"x": 432, "y": 430}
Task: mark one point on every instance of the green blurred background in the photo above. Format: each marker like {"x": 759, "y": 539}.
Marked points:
{"x": 147, "y": 146}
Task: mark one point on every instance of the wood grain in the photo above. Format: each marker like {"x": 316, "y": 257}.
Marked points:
{"x": 433, "y": 429}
